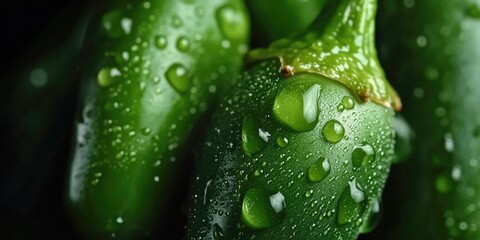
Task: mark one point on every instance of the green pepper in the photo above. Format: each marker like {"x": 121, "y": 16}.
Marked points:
{"x": 40, "y": 103}
{"x": 301, "y": 147}
{"x": 153, "y": 67}
{"x": 275, "y": 19}
{"x": 430, "y": 49}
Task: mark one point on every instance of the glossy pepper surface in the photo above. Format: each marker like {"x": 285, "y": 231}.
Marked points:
{"x": 301, "y": 147}
{"x": 152, "y": 68}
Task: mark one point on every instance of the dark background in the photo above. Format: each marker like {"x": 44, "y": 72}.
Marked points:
{"x": 31, "y": 204}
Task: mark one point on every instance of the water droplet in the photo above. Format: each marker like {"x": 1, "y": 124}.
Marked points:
{"x": 232, "y": 23}
{"x": 125, "y": 56}
{"x": 421, "y": 41}
{"x": 218, "y": 232}
{"x": 418, "y": 93}
{"x": 176, "y": 21}
{"x": 311, "y": 104}
{"x": 309, "y": 193}
{"x": 38, "y": 77}
{"x": 372, "y": 219}
{"x": 261, "y": 209}
{"x": 126, "y": 25}
{"x": 252, "y": 141}
{"x": 456, "y": 173}
{"x": 319, "y": 170}
{"x": 183, "y": 44}
{"x": 286, "y": 107}
{"x": 348, "y": 102}
{"x": 409, "y": 3}
{"x": 449, "y": 143}
{"x": 160, "y": 42}
{"x": 107, "y": 76}
{"x": 277, "y": 201}
{"x": 340, "y": 108}
{"x": 351, "y": 204}
{"x": 473, "y": 11}
{"x": 119, "y": 220}
{"x": 177, "y": 76}
{"x": 362, "y": 155}
{"x": 282, "y": 142}
{"x": 443, "y": 184}
{"x": 111, "y": 23}
{"x": 146, "y": 131}
{"x": 333, "y": 131}
{"x": 432, "y": 73}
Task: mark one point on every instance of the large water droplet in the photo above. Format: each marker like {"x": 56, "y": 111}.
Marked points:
{"x": 362, "y": 155}
{"x": 107, "y": 76}
{"x": 261, "y": 209}
{"x": 333, "y": 131}
{"x": 282, "y": 142}
{"x": 319, "y": 170}
{"x": 177, "y": 76}
{"x": 298, "y": 108}
{"x": 232, "y": 23}
{"x": 351, "y": 204}
{"x": 183, "y": 44}
{"x": 252, "y": 141}
{"x": 348, "y": 102}
{"x": 160, "y": 42}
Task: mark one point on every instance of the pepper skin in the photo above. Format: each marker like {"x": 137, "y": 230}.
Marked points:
{"x": 152, "y": 68}
{"x": 301, "y": 147}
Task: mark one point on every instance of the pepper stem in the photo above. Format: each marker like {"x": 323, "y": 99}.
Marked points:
{"x": 339, "y": 45}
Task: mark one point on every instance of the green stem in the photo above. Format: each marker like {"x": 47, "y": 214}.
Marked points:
{"x": 339, "y": 45}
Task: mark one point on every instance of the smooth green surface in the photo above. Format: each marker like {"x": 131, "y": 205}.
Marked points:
{"x": 431, "y": 49}
{"x": 151, "y": 68}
